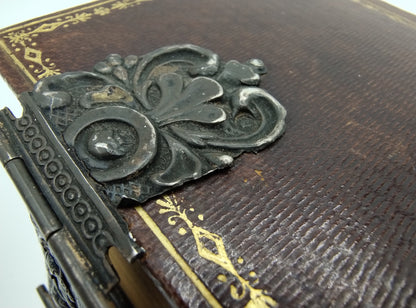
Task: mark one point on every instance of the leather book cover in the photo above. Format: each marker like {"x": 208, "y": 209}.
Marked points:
{"x": 324, "y": 216}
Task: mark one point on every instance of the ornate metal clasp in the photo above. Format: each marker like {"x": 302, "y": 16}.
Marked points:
{"x": 133, "y": 128}
{"x": 143, "y": 125}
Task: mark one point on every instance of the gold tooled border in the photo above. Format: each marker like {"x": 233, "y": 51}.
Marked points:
{"x": 143, "y": 214}
{"x": 16, "y": 61}
{"x": 81, "y": 8}
{"x": 21, "y": 39}
{"x": 181, "y": 262}
{"x": 22, "y": 36}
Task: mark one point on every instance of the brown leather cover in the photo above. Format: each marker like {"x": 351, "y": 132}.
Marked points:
{"x": 323, "y": 217}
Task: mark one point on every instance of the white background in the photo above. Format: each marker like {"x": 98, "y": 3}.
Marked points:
{"x": 21, "y": 260}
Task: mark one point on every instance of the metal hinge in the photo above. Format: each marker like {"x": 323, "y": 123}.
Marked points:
{"x": 131, "y": 129}
{"x": 74, "y": 225}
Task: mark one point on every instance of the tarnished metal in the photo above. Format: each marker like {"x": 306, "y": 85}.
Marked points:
{"x": 133, "y": 128}
{"x": 72, "y": 220}
{"x": 143, "y": 125}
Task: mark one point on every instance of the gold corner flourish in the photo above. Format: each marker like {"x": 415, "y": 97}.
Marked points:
{"x": 178, "y": 258}
{"x": 258, "y": 297}
{"x": 21, "y": 40}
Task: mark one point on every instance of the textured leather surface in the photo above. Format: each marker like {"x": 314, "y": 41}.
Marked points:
{"x": 324, "y": 217}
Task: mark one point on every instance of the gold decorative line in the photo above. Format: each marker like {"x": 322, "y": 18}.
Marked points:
{"x": 75, "y": 10}
{"x": 217, "y": 255}
{"x": 181, "y": 262}
{"x": 16, "y": 61}
{"x": 21, "y": 38}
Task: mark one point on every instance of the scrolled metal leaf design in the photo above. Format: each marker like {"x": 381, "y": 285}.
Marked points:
{"x": 141, "y": 125}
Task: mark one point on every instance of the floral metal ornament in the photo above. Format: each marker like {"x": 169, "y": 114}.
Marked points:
{"x": 141, "y": 125}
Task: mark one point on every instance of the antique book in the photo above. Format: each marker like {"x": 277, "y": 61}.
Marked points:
{"x": 159, "y": 170}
